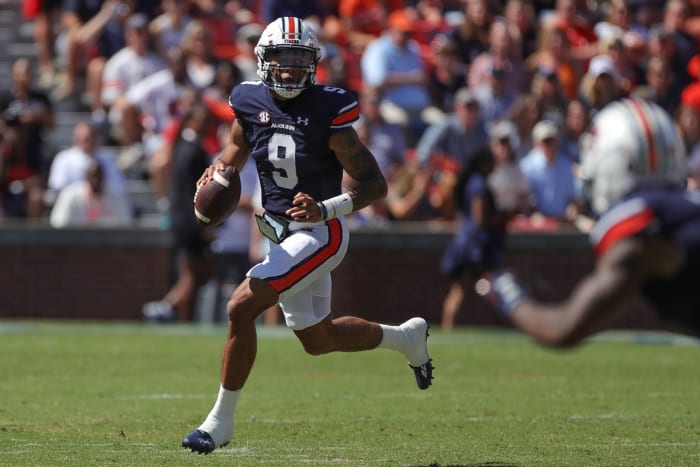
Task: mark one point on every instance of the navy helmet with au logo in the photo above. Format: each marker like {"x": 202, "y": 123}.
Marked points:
{"x": 288, "y": 46}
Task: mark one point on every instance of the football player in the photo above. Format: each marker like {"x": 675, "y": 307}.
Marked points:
{"x": 647, "y": 238}
{"x": 301, "y": 138}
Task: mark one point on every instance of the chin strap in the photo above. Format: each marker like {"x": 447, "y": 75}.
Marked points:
{"x": 503, "y": 290}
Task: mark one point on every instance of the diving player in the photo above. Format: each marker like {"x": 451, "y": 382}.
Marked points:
{"x": 301, "y": 137}
{"x": 647, "y": 240}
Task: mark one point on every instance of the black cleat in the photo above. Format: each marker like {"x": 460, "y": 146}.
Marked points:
{"x": 424, "y": 374}
{"x": 200, "y": 442}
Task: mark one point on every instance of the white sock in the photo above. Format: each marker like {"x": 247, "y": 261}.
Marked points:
{"x": 393, "y": 338}
{"x": 219, "y": 422}
{"x": 406, "y": 340}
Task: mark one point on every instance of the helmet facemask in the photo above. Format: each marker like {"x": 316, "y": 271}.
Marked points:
{"x": 288, "y": 70}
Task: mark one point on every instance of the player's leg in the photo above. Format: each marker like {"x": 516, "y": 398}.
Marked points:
{"x": 251, "y": 298}
{"x": 352, "y": 334}
{"x": 451, "y": 304}
{"x": 308, "y": 314}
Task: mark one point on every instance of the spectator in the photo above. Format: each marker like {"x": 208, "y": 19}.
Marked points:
{"x": 191, "y": 239}
{"x": 520, "y": 19}
{"x": 547, "y": 89}
{"x": 160, "y": 162}
{"x": 551, "y": 176}
{"x": 472, "y": 36}
{"x": 477, "y": 244}
{"x": 392, "y": 65}
{"x": 616, "y": 22}
{"x": 525, "y": 113}
{"x": 27, "y": 115}
{"x": 148, "y": 107}
{"x": 458, "y": 135}
{"x": 693, "y": 170}
{"x": 124, "y": 70}
{"x": 494, "y": 95}
{"x": 688, "y": 121}
{"x": 86, "y": 202}
{"x": 409, "y": 196}
{"x": 503, "y": 49}
{"x": 385, "y": 140}
{"x": 577, "y": 28}
{"x": 684, "y": 46}
{"x": 658, "y": 86}
{"x": 200, "y": 61}
{"x": 576, "y": 123}
{"x": 507, "y": 182}
{"x": 447, "y": 75}
{"x": 554, "y": 51}
{"x": 357, "y": 23}
{"x": 636, "y": 54}
{"x": 599, "y": 85}
{"x": 270, "y": 10}
{"x": 70, "y": 165}
{"x": 222, "y": 19}
{"x": 45, "y": 21}
{"x": 168, "y": 28}
{"x": 94, "y": 32}
{"x": 627, "y": 76}
{"x": 690, "y": 95}
{"x": 246, "y": 61}
{"x": 662, "y": 44}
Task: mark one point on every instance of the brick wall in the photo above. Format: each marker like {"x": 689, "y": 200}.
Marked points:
{"x": 386, "y": 276}
{"x": 391, "y": 278}
{"x": 86, "y": 274}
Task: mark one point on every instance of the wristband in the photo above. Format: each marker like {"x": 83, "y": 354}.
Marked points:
{"x": 503, "y": 290}
{"x": 340, "y": 205}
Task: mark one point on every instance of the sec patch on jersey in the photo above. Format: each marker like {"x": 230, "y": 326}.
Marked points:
{"x": 216, "y": 199}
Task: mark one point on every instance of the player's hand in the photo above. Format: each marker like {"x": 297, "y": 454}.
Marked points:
{"x": 209, "y": 172}
{"x": 305, "y": 209}
{"x": 502, "y": 289}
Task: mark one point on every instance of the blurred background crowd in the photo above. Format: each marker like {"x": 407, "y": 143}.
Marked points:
{"x": 436, "y": 80}
{"x": 113, "y": 96}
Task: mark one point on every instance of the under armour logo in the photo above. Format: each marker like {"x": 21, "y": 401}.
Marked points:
{"x": 302, "y": 121}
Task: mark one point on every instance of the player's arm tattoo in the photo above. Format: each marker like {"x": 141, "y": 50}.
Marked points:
{"x": 361, "y": 165}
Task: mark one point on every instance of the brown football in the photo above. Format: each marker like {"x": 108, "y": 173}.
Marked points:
{"x": 215, "y": 200}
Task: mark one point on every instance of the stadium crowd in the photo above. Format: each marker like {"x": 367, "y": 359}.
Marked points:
{"x": 436, "y": 82}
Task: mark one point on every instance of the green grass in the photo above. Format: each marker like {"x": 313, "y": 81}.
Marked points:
{"x": 114, "y": 394}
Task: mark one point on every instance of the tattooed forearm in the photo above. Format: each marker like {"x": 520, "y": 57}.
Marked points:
{"x": 359, "y": 163}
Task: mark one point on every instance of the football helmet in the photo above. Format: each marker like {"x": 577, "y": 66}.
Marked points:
{"x": 288, "y": 45}
{"x": 630, "y": 143}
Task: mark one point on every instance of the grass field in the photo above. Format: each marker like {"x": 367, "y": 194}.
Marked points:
{"x": 115, "y": 394}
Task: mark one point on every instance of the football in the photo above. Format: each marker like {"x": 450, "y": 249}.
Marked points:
{"x": 216, "y": 199}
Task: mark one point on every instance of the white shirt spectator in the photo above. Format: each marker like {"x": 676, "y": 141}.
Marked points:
{"x": 70, "y": 165}
{"x": 126, "y": 68}
{"x": 78, "y": 205}
{"x": 156, "y": 96}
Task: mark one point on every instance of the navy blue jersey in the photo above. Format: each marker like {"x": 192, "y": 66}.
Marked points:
{"x": 289, "y": 140}
{"x": 673, "y": 214}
